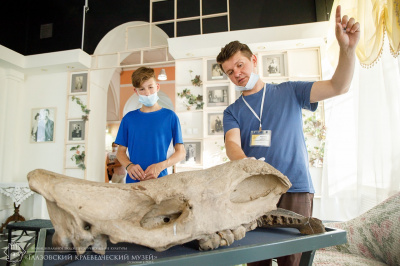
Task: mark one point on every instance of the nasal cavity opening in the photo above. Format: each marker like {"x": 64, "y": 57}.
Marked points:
{"x": 164, "y": 214}
{"x": 253, "y": 187}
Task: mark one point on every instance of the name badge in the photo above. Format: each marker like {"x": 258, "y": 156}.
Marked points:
{"x": 261, "y": 138}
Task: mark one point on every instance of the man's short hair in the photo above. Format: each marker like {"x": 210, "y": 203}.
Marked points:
{"x": 232, "y": 48}
{"x": 141, "y": 75}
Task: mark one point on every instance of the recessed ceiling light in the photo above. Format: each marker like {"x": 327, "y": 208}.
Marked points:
{"x": 261, "y": 47}
{"x": 189, "y": 54}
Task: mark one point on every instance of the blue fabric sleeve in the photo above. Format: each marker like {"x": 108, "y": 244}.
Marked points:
{"x": 229, "y": 121}
{"x": 302, "y": 90}
{"x": 122, "y": 135}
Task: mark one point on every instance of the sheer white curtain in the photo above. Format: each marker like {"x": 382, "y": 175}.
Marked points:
{"x": 362, "y": 153}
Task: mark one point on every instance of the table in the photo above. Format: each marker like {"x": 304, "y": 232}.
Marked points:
{"x": 32, "y": 225}
{"x": 18, "y": 192}
{"x": 260, "y": 244}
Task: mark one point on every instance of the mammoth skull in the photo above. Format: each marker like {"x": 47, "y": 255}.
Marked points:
{"x": 161, "y": 213}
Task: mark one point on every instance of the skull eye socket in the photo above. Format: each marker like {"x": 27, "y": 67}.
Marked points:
{"x": 254, "y": 187}
{"x": 164, "y": 214}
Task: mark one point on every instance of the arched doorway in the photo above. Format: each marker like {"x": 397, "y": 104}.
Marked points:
{"x": 122, "y": 48}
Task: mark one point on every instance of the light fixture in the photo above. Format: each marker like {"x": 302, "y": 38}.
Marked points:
{"x": 162, "y": 75}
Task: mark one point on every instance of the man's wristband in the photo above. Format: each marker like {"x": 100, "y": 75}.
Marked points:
{"x": 128, "y": 166}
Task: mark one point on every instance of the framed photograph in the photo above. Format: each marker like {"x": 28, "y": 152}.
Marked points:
{"x": 214, "y": 72}
{"x": 42, "y": 124}
{"x": 218, "y": 96}
{"x": 193, "y": 152}
{"x": 274, "y": 65}
{"x": 76, "y": 130}
{"x": 79, "y": 82}
{"x": 215, "y": 126}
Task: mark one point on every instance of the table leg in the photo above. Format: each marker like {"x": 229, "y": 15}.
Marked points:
{"x": 307, "y": 258}
{"x": 16, "y": 217}
{"x": 8, "y": 246}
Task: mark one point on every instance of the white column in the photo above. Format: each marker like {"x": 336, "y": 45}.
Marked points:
{"x": 95, "y": 144}
{"x": 11, "y": 84}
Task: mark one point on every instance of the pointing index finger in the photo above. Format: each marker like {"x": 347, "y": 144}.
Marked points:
{"x": 338, "y": 14}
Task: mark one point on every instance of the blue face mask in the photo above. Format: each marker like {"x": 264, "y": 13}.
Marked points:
{"x": 148, "y": 100}
{"x": 250, "y": 84}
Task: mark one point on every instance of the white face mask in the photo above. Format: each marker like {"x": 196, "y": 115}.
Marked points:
{"x": 250, "y": 84}
{"x": 115, "y": 148}
{"x": 148, "y": 100}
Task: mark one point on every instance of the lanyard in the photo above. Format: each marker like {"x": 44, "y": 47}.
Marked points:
{"x": 262, "y": 105}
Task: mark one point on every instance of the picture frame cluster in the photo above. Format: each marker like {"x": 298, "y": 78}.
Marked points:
{"x": 77, "y": 120}
{"x": 217, "y": 97}
{"x": 76, "y": 126}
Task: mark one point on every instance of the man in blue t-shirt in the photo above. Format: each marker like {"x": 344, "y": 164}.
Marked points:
{"x": 266, "y": 121}
{"x": 147, "y": 133}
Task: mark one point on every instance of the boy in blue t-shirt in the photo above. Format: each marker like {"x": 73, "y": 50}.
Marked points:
{"x": 266, "y": 121}
{"x": 147, "y": 133}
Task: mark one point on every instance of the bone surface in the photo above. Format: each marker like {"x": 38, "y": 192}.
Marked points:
{"x": 285, "y": 218}
{"x": 161, "y": 213}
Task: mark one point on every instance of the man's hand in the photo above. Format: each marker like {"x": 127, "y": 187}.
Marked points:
{"x": 347, "y": 31}
{"x": 153, "y": 171}
{"x": 136, "y": 172}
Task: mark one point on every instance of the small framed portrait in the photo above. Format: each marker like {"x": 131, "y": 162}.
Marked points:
{"x": 274, "y": 65}
{"x": 42, "y": 124}
{"x": 218, "y": 96}
{"x": 214, "y": 71}
{"x": 215, "y": 126}
{"x": 76, "y": 130}
{"x": 193, "y": 152}
{"x": 79, "y": 82}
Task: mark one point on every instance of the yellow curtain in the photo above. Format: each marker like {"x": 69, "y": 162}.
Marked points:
{"x": 375, "y": 17}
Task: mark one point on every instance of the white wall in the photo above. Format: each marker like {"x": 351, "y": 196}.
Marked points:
{"x": 42, "y": 91}
{"x": 19, "y": 155}
{"x": 10, "y": 91}
{"x": 27, "y": 83}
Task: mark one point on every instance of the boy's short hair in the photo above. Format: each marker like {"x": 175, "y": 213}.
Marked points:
{"x": 141, "y": 75}
{"x": 232, "y": 48}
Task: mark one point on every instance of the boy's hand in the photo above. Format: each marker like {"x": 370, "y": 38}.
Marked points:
{"x": 153, "y": 171}
{"x": 136, "y": 172}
